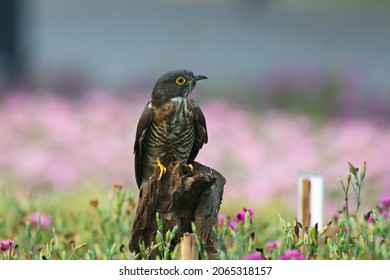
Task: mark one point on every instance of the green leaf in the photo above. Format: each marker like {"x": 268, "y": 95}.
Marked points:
{"x": 91, "y": 255}
{"x": 159, "y": 237}
{"x": 363, "y": 172}
{"x": 247, "y": 221}
{"x": 341, "y": 226}
{"x": 112, "y": 251}
{"x": 313, "y": 233}
{"x": 168, "y": 235}
{"x": 174, "y": 230}
{"x": 193, "y": 228}
{"x": 80, "y": 246}
{"x": 352, "y": 169}
{"x": 159, "y": 222}
{"x": 299, "y": 244}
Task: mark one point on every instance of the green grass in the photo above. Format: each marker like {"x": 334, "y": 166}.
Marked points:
{"x": 78, "y": 230}
{"x": 91, "y": 224}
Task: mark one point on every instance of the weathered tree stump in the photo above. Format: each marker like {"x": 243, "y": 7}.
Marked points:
{"x": 181, "y": 197}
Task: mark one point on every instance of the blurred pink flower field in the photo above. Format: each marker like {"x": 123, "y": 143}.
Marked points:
{"x": 48, "y": 141}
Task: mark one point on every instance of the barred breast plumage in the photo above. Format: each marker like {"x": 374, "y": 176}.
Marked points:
{"x": 170, "y": 135}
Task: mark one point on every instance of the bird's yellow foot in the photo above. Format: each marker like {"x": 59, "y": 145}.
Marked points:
{"x": 191, "y": 167}
{"x": 163, "y": 169}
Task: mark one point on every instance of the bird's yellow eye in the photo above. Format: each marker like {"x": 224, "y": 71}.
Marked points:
{"x": 180, "y": 81}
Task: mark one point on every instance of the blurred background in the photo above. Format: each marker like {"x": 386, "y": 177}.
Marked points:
{"x": 294, "y": 86}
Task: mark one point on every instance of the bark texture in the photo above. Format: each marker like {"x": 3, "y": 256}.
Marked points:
{"x": 181, "y": 196}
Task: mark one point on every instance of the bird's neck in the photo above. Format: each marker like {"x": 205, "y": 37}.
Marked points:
{"x": 181, "y": 105}
{"x": 179, "y": 99}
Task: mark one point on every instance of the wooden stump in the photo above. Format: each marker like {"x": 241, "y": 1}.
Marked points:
{"x": 188, "y": 249}
{"x": 181, "y": 196}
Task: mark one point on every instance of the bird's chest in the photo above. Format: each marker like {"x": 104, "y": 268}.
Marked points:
{"x": 174, "y": 118}
{"x": 171, "y": 134}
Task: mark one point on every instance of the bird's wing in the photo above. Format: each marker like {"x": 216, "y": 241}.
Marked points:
{"x": 200, "y": 131}
{"x": 142, "y": 128}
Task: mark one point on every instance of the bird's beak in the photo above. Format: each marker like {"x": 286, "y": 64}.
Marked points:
{"x": 193, "y": 81}
{"x": 200, "y": 77}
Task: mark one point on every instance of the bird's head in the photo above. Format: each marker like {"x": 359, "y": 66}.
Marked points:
{"x": 177, "y": 83}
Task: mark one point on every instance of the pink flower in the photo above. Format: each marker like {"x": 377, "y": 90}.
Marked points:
{"x": 385, "y": 202}
{"x": 240, "y": 215}
{"x": 292, "y": 255}
{"x": 6, "y": 244}
{"x": 43, "y": 220}
{"x": 232, "y": 224}
{"x": 371, "y": 219}
{"x": 272, "y": 245}
{"x": 253, "y": 256}
{"x": 221, "y": 219}
{"x": 379, "y": 240}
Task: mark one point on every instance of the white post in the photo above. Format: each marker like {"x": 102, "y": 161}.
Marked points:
{"x": 311, "y": 185}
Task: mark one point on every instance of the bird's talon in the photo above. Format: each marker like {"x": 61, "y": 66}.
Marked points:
{"x": 163, "y": 170}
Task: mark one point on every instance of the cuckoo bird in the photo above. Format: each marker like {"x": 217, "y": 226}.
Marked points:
{"x": 171, "y": 127}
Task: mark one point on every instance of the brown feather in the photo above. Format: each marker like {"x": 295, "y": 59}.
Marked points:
{"x": 200, "y": 131}
{"x": 142, "y": 127}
